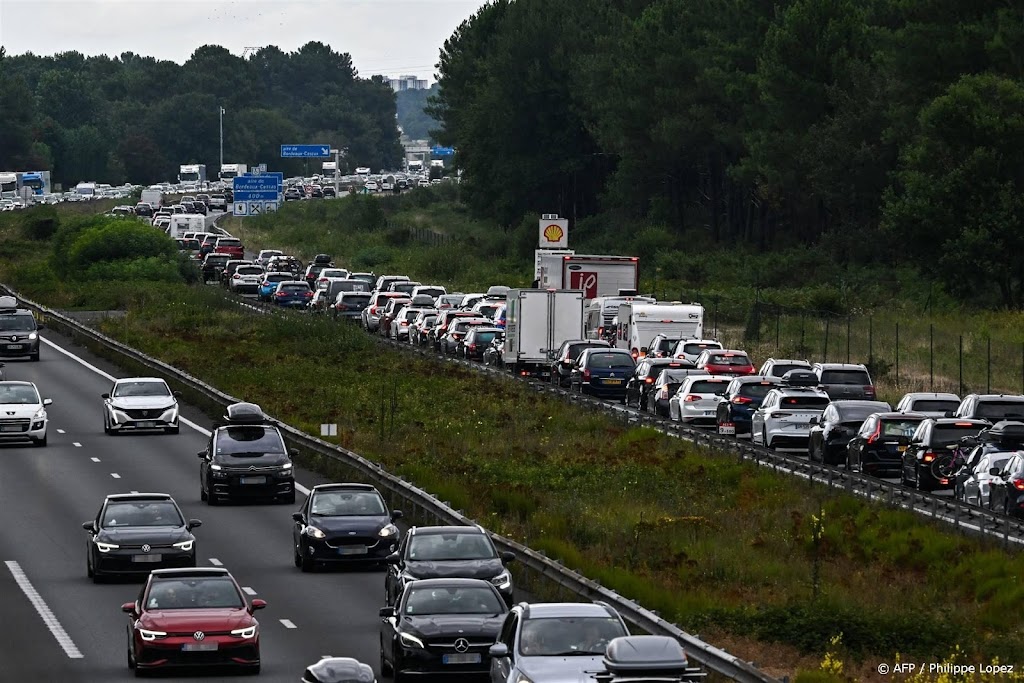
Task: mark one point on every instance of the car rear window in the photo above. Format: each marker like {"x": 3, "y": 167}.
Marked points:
{"x": 899, "y": 427}
{"x": 249, "y": 270}
{"x": 709, "y": 386}
{"x": 933, "y": 406}
{"x": 294, "y": 288}
{"x": 228, "y": 242}
{"x": 994, "y": 410}
{"x": 755, "y": 389}
{"x": 696, "y": 349}
{"x": 575, "y": 350}
{"x": 664, "y": 345}
{"x": 485, "y": 337}
{"x": 780, "y": 369}
{"x": 279, "y": 278}
{"x": 354, "y": 298}
{"x": 944, "y": 434}
{"x": 729, "y": 359}
{"x": 610, "y": 360}
{"x": 859, "y": 377}
{"x": 807, "y": 402}
{"x": 432, "y": 292}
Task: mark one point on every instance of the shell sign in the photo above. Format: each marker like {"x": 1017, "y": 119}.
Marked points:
{"x": 554, "y": 233}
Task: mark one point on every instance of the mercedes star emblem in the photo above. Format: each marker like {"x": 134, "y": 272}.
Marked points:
{"x": 198, "y": 635}
{"x": 461, "y": 645}
{"x": 146, "y": 548}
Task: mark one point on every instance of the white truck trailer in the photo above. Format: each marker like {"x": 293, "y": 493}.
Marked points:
{"x": 640, "y": 323}
{"x": 594, "y": 275}
{"x": 230, "y": 171}
{"x": 192, "y": 175}
{"x": 537, "y": 321}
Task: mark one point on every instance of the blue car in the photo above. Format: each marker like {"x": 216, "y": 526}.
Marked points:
{"x": 743, "y": 396}
{"x": 293, "y": 294}
{"x": 602, "y": 372}
{"x": 269, "y": 285}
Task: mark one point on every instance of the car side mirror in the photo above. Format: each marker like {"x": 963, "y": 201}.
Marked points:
{"x": 47, "y": 401}
{"x": 396, "y": 515}
{"x": 129, "y": 608}
{"x": 194, "y": 524}
{"x": 202, "y": 455}
{"x": 498, "y": 650}
{"x": 297, "y": 516}
{"x": 393, "y": 558}
{"x": 386, "y": 612}
{"x": 507, "y": 557}
{"x": 104, "y": 395}
{"x": 949, "y": 413}
{"x": 994, "y": 471}
{"x": 88, "y": 526}
{"x": 257, "y": 603}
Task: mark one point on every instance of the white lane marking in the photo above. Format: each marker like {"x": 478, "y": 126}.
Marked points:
{"x": 248, "y": 591}
{"x": 76, "y": 444}
{"x": 94, "y": 459}
{"x": 189, "y": 423}
{"x": 134, "y": 491}
{"x": 288, "y": 624}
{"x": 215, "y": 562}
{"x": 115, "y": 475}
{"x": 63, "y": 639}
{"x": 61, "y": 431}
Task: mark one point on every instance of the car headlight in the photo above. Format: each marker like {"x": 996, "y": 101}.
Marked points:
{"x": 313, "y": 532}
{"x": 523, "y": 678}
{"x": 502, "y": 580}
{"x": 151, "y": 635}
{"x": 286, "y": 466}
{"x": 248, "y": 632}
{"x": 40, "y": 414}
{"x": 185, "y": 546}
{"x": 410, "y": 640}
{"x": 216, "y": 468}
{"x": 388, "y": 531}
{"x": 105, "y": 547}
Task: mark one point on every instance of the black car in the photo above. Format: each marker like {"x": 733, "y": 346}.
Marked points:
{"x": 135, "y": 533}
{"x": 565, "y": 357}
{"x": 493, "y": 353}
{"x": 991, "y": 407}
{"x": 879, "y": 444}
{"x": 839, "y": 422}
{"x": 934, "y": 439}
{"x": 19, "y": 331}
{"x": 440, "y": 626}
{"x": 742, "y": 397}
{"x": 436, "y": 552}
{"x": 246, "y": 459}
{"x": 642, "y": 380}
{"x": 1006, "y": 488}
{"x": 343, "y": 523}
{"x": 213, "y": 265}
{"x": 476, "y": 341}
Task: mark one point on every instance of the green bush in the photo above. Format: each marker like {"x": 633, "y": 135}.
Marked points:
{"x": 118, "y": 240}
{"x": 40, "y": 223}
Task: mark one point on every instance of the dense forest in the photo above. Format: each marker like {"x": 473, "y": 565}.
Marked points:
{"x": 133, "y": 118}
{"x": 876, "y": 130}
{"x": 413, "y": 117}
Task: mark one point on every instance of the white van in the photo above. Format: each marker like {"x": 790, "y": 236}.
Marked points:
{"x": 601, "y": 313}
{"x": 640, "y": 323}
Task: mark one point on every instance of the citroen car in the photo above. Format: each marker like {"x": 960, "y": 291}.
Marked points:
{"x": 440, "y": 626}
{"x": 190, "y": 618}
{"x": 435, "y": 552}
{"x": 140, "y": 403}
{"x": 22, "y": 413}
{"x": 343, "y": 523}
{"x": 135, "y": 533}
{"x": 19, "y": 331}
{"x": 246, "y": 459}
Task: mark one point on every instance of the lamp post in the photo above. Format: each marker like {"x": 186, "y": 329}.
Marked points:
{"x": 221, "y": 140}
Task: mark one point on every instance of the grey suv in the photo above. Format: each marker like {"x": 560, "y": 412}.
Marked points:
{"x": 777, "y": 367}
{"x": 553, "y": 642}
{"x": 845, "y": 381}
{"x": 19, "y": 331}
{"x": 991, "y": 407}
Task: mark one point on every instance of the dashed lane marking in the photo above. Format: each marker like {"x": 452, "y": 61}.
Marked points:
{"x": 288, "y": 624}
{"x": 115, "y": 475}
{"x": 44, "y": 611}
{"x": 95, "y": 459}
{"x": 215, "y": 562}
{"x": 248, "y": 591}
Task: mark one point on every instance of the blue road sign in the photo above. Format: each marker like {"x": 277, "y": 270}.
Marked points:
{"x": 439, "y": 151}
{"x": 267, "y": 196}
{"x": 306, "y": 151}
{"x": 268, "y": 182}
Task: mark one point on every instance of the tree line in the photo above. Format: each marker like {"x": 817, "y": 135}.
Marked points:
{"x": 877, "y": 130}
{"x": 131, "y": 118}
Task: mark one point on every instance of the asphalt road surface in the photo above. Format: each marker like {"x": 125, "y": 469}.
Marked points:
{"x": 58, "y": 626}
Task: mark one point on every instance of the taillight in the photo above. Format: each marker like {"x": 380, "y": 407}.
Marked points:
{"x": 340, "y": 307}
{"x": 472, "y": 347}
{"x": 405, "y": 323}
{"x": 634, "y": 353}
{"x": 649, "y": 380}
{"x": 373, "y": 310}
{"x": 742, "y": 400}
{"x": 600, "y": 331}
{"x": 869, "y": 391}
{"x": 690, "y": 398}
{"x": 586, "y": 374}
{"x": 876, "y": 434}
{"x": 751, "y": 371}
{"x": 308, "y": 295}
{"x": 1018, "y": 484}
{"x": 282, "y": 294}
{"x": 928, "y": 456}
{"x": 236, "y": 276}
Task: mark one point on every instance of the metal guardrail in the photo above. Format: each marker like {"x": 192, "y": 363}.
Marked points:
{"x": 424, "y": 505}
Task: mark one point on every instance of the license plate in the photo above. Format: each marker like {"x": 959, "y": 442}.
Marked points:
{"x": 353, "y": 550}
{"x": 199, "y": 647}
{"x": 14, "y": 347}
{"x": 147, "y": 558}
{"x": 466, "y": 658}
{"x": 613, "y": 381}
{"x": 144, "y": 424}
{"x": 727, "y": 430}
{"x": 253, "y": 480}
{"x": 901, "y": 449}
{"x": 10, "y": 428}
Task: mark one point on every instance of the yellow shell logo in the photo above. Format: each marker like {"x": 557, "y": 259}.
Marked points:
{"x": 553, "y": 233}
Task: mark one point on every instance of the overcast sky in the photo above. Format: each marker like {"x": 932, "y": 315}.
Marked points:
{"x": 389, "y": 37}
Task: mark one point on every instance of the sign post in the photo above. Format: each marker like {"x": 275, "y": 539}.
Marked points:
{"x": 554, "y": 232}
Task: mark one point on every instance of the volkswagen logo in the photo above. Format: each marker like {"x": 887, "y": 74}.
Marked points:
{"x": 146, "y": 548}
{"x": 198, "y": 635}
{"x": 461, "y": 645}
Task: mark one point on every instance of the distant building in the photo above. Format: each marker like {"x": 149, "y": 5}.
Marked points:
{"x": 407, "y": 83}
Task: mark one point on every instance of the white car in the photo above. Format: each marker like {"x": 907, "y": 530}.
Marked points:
{"x": 928, "y": 403}
{"x": 140, "y": 403}
{"x": 246, "y": 279}
{"x": 696, "y": 401}
{"x": 690, "y": 349}
{"x": 372, "y": 186}
{"x": 266, "y": 254}
{"x": 22, "y": 413}
{"x": 784, "y": 418}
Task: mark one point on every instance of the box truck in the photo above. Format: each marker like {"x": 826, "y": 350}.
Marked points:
{"x": 638, "y": 324}
{"x": 230, "y": 171}
{"x": 192, "y": 175}
{"x": 537, "y": 321}
{"x": 594, "y": 275}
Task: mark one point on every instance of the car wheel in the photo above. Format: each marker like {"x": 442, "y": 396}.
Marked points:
{"x": 88, "y": 565}
{"x": 922, "y": 485}
{"x": 40, "y": 442}
{"x": 106, "y": 429}
{"x": 34, "y": 357}
{"x": 131, "y": 658}
{"x": 288, "y": 499}
{"x": 172, "y": 430}
{"x": 297, "y": 557}
{"x": 764, "y": 438}
{"x": 385, "y": 667}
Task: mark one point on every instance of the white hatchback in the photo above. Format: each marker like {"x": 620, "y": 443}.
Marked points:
{"x": 22, "y": 413}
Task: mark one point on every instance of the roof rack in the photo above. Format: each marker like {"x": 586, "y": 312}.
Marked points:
{"x": 8, "y": 302}
{"x": 244, "y": 413}
{"x": 646, "y": 658}
{"x": 800, "y": 378}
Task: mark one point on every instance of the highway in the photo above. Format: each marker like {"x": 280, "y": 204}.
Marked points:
{"x": 46, "y": 494}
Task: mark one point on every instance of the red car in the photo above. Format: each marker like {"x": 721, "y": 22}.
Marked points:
{"x": 230, "y": 245}
{"x": 725, "y": 362}
{"x": 192, "y": 617}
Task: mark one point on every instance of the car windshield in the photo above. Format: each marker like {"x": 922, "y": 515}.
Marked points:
{"x": 249, "y": 440}
{"x": 347, "y": 504}
{"x": 933, "y": 406}
{"x": 453, "y": 546}
{"x": 704, "y": 386}
{"x": 610, "y": 360}
{"x": 944, "y": 434}
{"x": 24, "y": 394}
{"x": 755, "y": 389}
{"x": 17, "y": 323}
{"x": 142, "y": 513}
{"x": 141, "y": 389}
{"x": 696, "y": 349}
{"x": 452, "y": 600}
{"x": 905, "y": 428}
{"x": 194, "y": 593}
{"x": 228, "y": 243}
{"x": 568, "y": 636}
{"x": 845, "y": 377}
{"x": 728, "y": 359}
{"x": 1000, "y": 410}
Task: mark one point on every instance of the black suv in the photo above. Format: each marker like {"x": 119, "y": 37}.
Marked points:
{"x": 246, "y": 459}
{"x": 442, "y": 552}
{"x": 642, "y": 381}
{"x": 19, "y": 331}
{"x": 933, "y": 439}
{"x": 568, "y": 352}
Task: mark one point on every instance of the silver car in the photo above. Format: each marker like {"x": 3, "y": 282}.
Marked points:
{"x": 696, "y": 401}
{"x": 929, "y": 403}
{"x": 140, "y": 403}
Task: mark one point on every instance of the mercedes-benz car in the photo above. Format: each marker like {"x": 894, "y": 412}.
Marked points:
{"x": 135, "y": 533}
{"x": 440, "y": 626}
{"x": 343, "y": 523}
{"x": 190, "y": 618}
{"x": 22, "y": 413}
{"x": 135, "y": 403}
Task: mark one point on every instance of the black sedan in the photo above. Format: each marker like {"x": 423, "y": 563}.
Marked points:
{"x": 642, "y": 381}
{"x": 134, "y": 533}
{"x": 441, "y": 626}
{"x": 879, "y": 444}
{"x": 343, "y": 523}
{"x": 839, "y": 422}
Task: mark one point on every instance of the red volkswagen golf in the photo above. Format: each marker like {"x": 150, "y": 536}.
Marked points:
{"x": 192, "y": 617}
